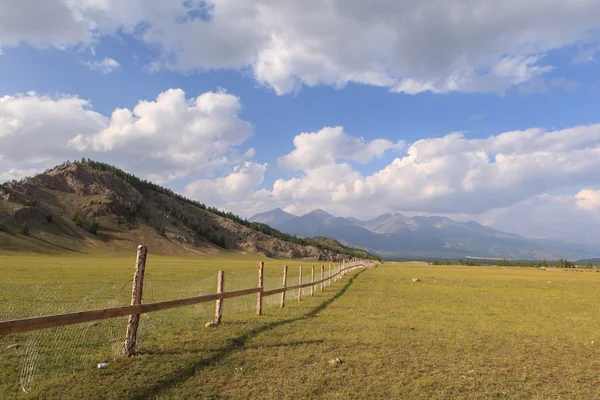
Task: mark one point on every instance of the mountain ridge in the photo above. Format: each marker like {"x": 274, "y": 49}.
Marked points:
{"x": 395, "y": 235}
{"x": 87, "y": 205}
{"x": 273, "y": 217}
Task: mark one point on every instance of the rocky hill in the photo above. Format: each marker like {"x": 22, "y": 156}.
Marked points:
{"x": 87, "y": 206}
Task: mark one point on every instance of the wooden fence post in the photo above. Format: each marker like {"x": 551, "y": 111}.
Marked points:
{"x": 219, "y": 305}
{"x": 329, "y": 275}
{"x": 300, "y": 283}
{"x": 312, "y": 280}
{"x": 260, "y": 284}
{"x": 136, "y": 298}
{"x": 322, "y": 277}
{"x": 284, "y": 285}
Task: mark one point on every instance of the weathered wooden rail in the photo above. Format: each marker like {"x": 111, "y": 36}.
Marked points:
{"x": 136, "y": 308}
{"x": 51, "y": 321}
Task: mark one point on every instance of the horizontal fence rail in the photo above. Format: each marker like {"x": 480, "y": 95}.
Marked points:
{"x": 51, "y": 321}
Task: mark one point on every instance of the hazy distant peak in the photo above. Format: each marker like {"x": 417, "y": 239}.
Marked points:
{"x": 282, "y": 212}
{"x": 395, "y": 234}
{"x": 273, "y": 217}
{"x": 319, "y": 212}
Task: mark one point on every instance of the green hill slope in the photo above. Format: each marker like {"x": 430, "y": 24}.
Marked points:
{"x": 86, "y": 206}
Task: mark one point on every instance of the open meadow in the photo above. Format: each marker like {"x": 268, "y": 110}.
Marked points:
{"x": 461, "y": 332}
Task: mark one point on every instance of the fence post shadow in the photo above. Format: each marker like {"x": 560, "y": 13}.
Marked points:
{"x": 235, "y": 344}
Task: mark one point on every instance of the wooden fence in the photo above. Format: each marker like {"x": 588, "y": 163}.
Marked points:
{"x": 136, "y": 308}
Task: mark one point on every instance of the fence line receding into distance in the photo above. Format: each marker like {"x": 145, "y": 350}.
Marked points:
{"x": 136, "y": 308}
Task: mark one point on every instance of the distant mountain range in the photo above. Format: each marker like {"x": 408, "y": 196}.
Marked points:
{"x": 592, "y": 260}
{"x": 399, "y": 236}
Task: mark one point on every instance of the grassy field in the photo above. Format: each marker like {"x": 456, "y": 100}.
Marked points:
{"x": 462, "y": 332}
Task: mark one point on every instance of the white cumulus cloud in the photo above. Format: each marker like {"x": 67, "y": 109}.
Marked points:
{"x": 236, "y": 186}
{"x": 404, "y": 45}
{"x": 36, "y": 128}
{"x": 589, "y": 199}
{"x": 507, "y": 180}
{"x": 572, "y": 217}
{"x": 169, "y": 137}
{"x": 17, "y": 174}
{"x": 332, "y": 143}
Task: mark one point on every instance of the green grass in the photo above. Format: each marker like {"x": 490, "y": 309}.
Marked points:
{"x": 76, "y": 283}
{"x": 34, "y": 268}
{"x": 462, "y": 332}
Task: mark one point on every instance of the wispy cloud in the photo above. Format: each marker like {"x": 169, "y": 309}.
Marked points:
{"x": 586, "y": 55}
{"x": 105, "y": 66}
{"x": 540, "y": 85}
{"x": 478, "y": 116}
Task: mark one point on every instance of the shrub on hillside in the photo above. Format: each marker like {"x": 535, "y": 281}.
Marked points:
{"x": 222, "y": 242}
{"x": 23, "y": 229}
{"x": 92, "y": 228}
{"x": 32, "y": 202}
{"x": 218, "y": 240}
{"x": 268, "y": 254}
{"x": 77, "y": 219}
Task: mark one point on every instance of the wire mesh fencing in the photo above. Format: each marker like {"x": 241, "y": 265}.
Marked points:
{"x": 71, "y": 348}
{"x": 62, "y": 348}
{"x": 175, "y": 319}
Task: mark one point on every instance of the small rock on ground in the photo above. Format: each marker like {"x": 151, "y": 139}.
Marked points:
{"x": 416, "y": 280}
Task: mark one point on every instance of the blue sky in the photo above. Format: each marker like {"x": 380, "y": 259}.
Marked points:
{"x": 410, "y": 100}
